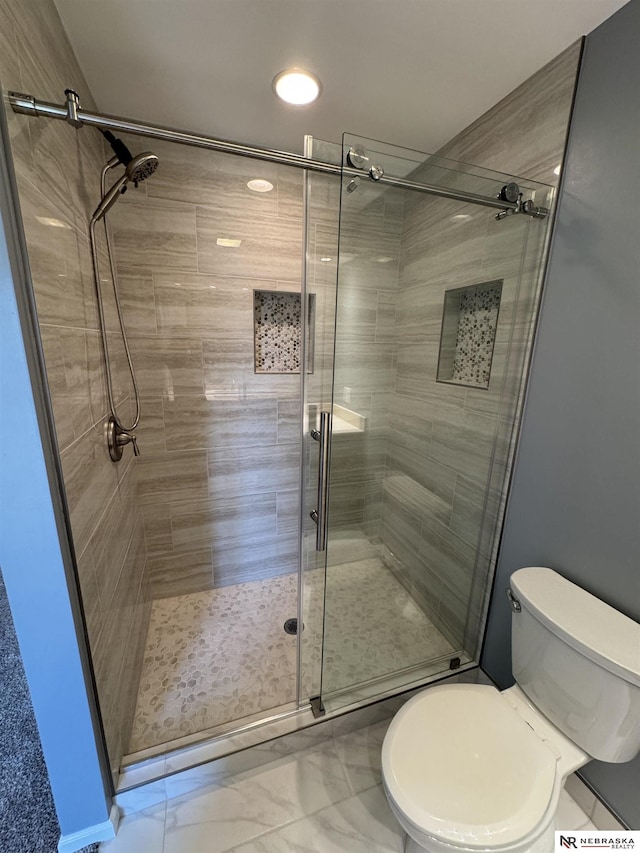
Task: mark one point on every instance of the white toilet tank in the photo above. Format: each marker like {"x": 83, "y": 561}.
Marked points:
{"x": 578, "y": 661}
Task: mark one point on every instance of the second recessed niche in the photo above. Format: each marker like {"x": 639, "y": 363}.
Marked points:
{"x": 469, "y": 323}
{"x": 277, "y": 317}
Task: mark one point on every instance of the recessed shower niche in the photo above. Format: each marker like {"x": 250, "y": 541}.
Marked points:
{"x": 469, "y": 323}
{"x": 277, "y": 331}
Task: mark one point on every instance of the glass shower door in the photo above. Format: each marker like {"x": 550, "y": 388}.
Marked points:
{"x": 436, "y": 300}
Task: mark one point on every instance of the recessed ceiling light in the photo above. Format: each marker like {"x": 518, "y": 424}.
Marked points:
{"x": 296, "y": 86}
{"x": 259, "y": 185}
{"x": 230, "y": 244}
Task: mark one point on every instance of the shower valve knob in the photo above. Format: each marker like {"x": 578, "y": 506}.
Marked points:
{"x": 123, "y": 438}
{"x": 117, "y": 438}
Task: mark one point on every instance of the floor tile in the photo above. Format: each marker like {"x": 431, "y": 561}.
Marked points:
{"x": 569, "y": 814}
{"x": 256, "y": 802}
{"x": 323, "y": 799}
{"x": 362, "y": 824}
{"x": 143, "y": 831}
{"x": 215, "y": 656}
{"x": 360, "y": 754}
{"x": 603, "y": 818}
{"x": 221, "y": 655}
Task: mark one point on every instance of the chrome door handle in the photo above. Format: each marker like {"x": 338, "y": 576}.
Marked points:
{"x": 319, "y": 515}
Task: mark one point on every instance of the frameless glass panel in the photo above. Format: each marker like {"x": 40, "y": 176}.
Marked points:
{"x": 418, "y": 466}
{"x": 210, "y": 277}
{"x": 322, "y": 204}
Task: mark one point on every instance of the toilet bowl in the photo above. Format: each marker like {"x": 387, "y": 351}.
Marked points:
{"x": 467, "y": 767}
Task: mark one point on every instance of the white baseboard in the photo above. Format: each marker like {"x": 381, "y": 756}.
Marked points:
{"x": 92, "y": 834}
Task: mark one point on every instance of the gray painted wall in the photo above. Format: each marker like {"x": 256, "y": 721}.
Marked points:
{"x": 575, "y": 498}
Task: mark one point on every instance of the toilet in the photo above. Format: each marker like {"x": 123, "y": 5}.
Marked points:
{"x": 469, "y": 767}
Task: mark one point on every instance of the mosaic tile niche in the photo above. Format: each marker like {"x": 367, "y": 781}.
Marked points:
{"x": 277, "y": 317}
{"x": 469, "y": 323}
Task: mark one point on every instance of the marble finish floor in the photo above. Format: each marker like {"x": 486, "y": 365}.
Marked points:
{"x": 222, "y": 655}
{"x": 326, "y": 798}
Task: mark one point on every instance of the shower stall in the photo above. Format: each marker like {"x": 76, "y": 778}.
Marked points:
{"x": 329, "y": 374}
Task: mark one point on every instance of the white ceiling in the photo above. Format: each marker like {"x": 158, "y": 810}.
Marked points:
{"x": 412, "y": 72}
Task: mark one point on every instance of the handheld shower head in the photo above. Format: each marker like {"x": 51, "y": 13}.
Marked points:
{"x": 109, "y": 199}
{"x": 141, "y": 167}
{"x": 137, "y": 169}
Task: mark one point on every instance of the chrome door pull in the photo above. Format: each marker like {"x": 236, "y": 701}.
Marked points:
{"x": 319, "y": 515}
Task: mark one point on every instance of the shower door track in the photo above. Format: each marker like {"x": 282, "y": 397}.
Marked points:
{"x": 72, "y": 113}
{"x": 154, "y": 764}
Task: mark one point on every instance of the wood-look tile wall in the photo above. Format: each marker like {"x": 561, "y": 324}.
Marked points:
{"x": 58, "y": 172}
{"x": 219, "y": 471}
{"x": 370, "y": 241}
{"x": 442, "y": 438}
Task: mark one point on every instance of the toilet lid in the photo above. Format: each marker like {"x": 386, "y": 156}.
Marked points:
{"x": 463, "y": 766}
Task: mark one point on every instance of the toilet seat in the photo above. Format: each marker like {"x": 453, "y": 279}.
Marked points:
{"x": 464, "y": 768}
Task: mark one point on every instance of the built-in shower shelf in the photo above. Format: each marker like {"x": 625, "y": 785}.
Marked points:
{"x": 344, "y": 420}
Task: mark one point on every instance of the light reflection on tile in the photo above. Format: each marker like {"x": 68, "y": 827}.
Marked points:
{"x": 269, "y": 249}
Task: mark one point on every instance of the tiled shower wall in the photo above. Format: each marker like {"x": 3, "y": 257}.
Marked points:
{"x": 441, "y": 437}
{"x": 58, "y": 183}
{"x": 220, "y": 445}
{"x": 370, "y": 241}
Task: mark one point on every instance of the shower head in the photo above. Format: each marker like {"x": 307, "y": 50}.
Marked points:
{"x": 141, "y": 167}
{"x": 137, "y": 169}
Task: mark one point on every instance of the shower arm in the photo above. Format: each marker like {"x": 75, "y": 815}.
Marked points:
{"x": 72, "y": 113}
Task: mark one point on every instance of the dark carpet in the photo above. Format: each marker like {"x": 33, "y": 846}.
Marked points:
{"x": 28, "y": 820}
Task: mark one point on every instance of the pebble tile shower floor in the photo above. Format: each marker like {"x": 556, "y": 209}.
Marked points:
{"x": 222, "y": 655}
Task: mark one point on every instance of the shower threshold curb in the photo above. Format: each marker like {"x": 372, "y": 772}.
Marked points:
{"x": 261, "y": 731}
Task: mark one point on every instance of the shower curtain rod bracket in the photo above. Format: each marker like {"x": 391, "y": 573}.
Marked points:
{"x": 73, "y": 105}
